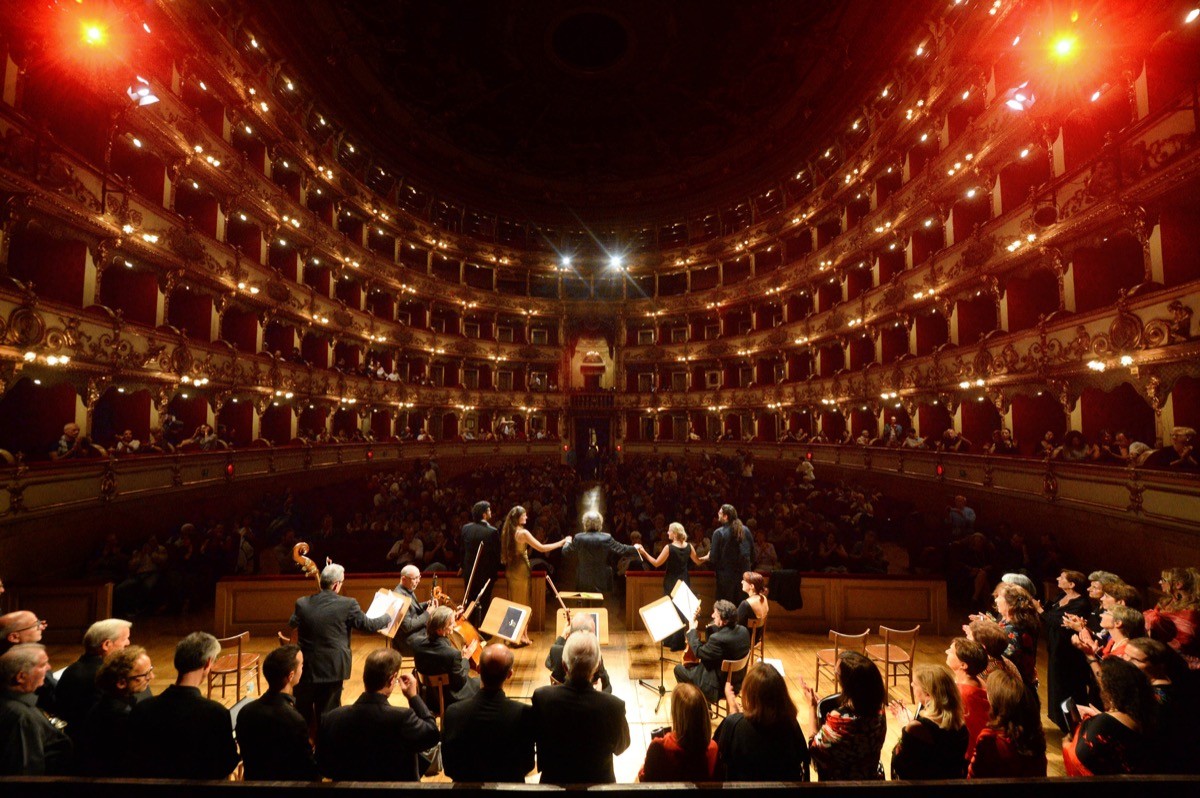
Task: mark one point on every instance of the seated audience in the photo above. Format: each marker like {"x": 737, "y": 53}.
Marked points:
{"x": 933, "y": 745}
{"x": 848, "y": 742}
{"x": 126, "y": 443}
{"x": 761, "y": 739}
{"x": 685, "y": 752}
{"x": 1012, "y": 745}
{"x": 1176, "y": 618}
{"x": 580, "y": 623}
{"x": 23, "y": 626}
{"x": 271, "y": 732}
{"x": 77, "y": 689}
{"x": 102, "y": 735}
{"x": 30, "y": 744}
{"x": 1181, "y": 455}
{"x": 726, "y": 641}
{"x": 370, "y": 740}
{"x": 578, "y": 729}
{"x": 1177, "y": 733}
{"x": 967, "y": 661}
{"x": 180, "y": 734}
{"x": 1117, "y": 740}
{"x": 489, "y": 737}
{"x": 435, "y": 654}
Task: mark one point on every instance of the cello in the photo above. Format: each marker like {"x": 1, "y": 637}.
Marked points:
{"x": 462, "y": 632}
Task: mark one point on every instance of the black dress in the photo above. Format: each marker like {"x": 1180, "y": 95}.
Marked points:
{"x": 1067, "y": 671}
{"x": 677, "y": 571}
{"x": 930, "y": 752}
{"x": 751, "y": 753}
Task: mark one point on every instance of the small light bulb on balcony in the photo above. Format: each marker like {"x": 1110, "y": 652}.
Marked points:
{"x": 964, "y": 384}
{"x": 1126, "y": 360}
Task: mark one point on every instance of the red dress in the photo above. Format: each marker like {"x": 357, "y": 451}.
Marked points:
{"x": 666, "y": 761}
{"x": 997, "y": 758}
{"x": 976, "y": 708}
{"x": 1178, "y": 629}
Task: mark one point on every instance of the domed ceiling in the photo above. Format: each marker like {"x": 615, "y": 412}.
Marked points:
{"x": 612, "y": 113}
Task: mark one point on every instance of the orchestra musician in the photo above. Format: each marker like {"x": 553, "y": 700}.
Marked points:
{"x": 416, "y": 618}
{"x": 728, "y": 640}
{"x": 580, "y": 623}
{"x": 435, "y": 654}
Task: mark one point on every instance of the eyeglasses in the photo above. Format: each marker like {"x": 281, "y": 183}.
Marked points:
{"x": 36, "y": 625}
{"x": 145, "y": 675}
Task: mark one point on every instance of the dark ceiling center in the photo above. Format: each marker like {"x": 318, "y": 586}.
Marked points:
{"x": 590, "y": 41}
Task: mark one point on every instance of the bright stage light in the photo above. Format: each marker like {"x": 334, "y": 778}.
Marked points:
{"x": 1064, "y": 46}
{"x": 94, "y": 34}
{"x": 1191, "y": 16}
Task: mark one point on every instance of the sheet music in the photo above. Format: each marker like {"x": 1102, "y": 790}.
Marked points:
{"x": 685, "y": 600}
{"x": 661, "y": 619}
{"x": 387, "y": 602}
{"x": 777, "y": 664}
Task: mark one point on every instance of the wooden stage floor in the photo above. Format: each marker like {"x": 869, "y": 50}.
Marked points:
{"x": 628, "y": 657}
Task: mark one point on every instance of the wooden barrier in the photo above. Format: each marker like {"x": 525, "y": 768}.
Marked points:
{"x": 848, "y": 603}
{"x": 262, "y": 605}
{"x": 69, "y": 607}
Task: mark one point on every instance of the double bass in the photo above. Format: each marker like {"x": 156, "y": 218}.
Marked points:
{"x": 308, "y": 568}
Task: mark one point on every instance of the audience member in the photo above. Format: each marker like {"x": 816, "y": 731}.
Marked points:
{"x": 102, "y": 735}
{"x": 684, "y": 752}
{"x": 933, "y": 745}
{"x": 1012, "y": 745}
{"x": 77, "y": 689}
{"x": 967, "y": 661}
{"x": 180, "y": 734}
{"x": 30, "y": 744}
{"x": 489, "y": 737}
{"x": 370, "y": 740}
{"x": 849, "y": 738}
{"x": 1117, "y": 740}
{"x": 271, "y": 732}
{"x": 761, "y": 738}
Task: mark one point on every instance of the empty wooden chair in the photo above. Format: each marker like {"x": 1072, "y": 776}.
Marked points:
{"x": 896, "y": 654}
{"x": 827, "y": 658}
{"x": 231, "y": 666}
{"x": 728, "y": 668}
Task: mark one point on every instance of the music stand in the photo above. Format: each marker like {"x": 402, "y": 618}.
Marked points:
{"x": 506, "y": 619}
{"x": 662, "y": 619}
{"x": 389, "y": 602}
{"x": 599, "y": 616}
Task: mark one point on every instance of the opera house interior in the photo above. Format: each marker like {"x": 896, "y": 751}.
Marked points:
{"x": 846, "y": 314}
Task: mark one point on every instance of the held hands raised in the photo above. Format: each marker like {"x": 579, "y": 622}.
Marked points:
{"x": 408, "y": 685}
{"x": 899, "y": 711}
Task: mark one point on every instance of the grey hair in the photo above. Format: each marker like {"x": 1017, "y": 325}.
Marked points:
{"x": 592, "y": 521}
{"x": 582, "y": 623}
{"x": 410, "y": 571}
{"x": 581, "y": 657}
{"x": 17, "y": 660}
{"x": 332, "y": 574}
{"x": 1104, "y": 577}
{"x": 195, "y": 651}
{"x": 104, "y": 631}
{"x": 1021, "y": 581}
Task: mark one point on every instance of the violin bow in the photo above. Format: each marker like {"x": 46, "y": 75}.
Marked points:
{"x": 471, "y": 575}
{"x": 561, "y": 603}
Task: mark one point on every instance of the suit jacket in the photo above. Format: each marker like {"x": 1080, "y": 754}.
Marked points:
{"x": 554, "y": 663}
{"x": 76, "y": 691}
{"x": 180, "y": 734}
{"x": 474, "y": 536}
{"x": 29, "y": 744}
{"x": 371, "y": 740}
{"x": 726, "y": 642}
{"x": 273, "y": 737}
{"x": 488, "y": 738}
{"x": 412, "y": 626}
{"x": 438, "y": 655}
{"x": 592, "y": 550}
{"x": 578, "y": 731}
{"x": 101, "y": 737}
{"x": 325, "y": 620}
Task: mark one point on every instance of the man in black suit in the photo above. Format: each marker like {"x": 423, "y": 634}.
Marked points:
{"x": 727, "y": 639}
{"x": 435, "y": 654}
{"x": 480, "y": 536}
{"x": 270, "y": 731}
{"x": 580, "y": 623}
{"x": 77, "y": 691}
{"x": 578, "y": 729}
{"x": 416, "y": 617}
{"x": 30, "y": 745}
{"x": 371, "y": 740}
{"x": 180, "y": 734}
{"x": 325, "y": 621}
{"x": 489, "y": 738}
{"x": 591, "y": 548}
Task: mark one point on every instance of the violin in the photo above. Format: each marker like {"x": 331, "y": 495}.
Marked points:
{"x": 462, "y": 632}
{"x": 689, "y": 656}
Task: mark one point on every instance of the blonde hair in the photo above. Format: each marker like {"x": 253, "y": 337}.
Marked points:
{"x": 676, "y": 531}
{"x": 945, "y": 706}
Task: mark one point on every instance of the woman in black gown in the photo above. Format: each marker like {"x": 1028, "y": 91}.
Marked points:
{"x": 1067, "y": 672}
{"x": 676, "y": 554}
{"x": 731, "y": 555}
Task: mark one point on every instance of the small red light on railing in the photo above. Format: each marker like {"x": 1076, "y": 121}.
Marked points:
{"x": 370, "y": 454}
{"x": 941, "y": 470}
{"x": 808, "y": 455}
{"x": 229, "y": 469}
{"x": 565, "y": 447}
{"x": 618, "y": 447}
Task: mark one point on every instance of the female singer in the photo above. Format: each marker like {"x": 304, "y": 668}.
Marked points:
{"x": 676, "y": 555}
{"x": 732, "y": 554}
{"x": 756, "y": 605}
{"x": 515, "y": 541}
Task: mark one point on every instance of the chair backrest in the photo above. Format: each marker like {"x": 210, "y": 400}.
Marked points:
{"x": 235, "y": 642}
{"x": 901, "y": 638}
{"x": 438, "y": 681}
{"x": 756, "y": 626}
{"x": 732, "y": 666}
{"x": 844, "y": 642}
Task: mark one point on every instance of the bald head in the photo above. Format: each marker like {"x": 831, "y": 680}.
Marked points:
{"x": 495, "y": 666}
{"x": 19, "y": 627}
{"x": 582, "y": 623}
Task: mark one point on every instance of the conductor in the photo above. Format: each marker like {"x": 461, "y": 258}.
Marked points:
{"x": 591, "y": 547}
